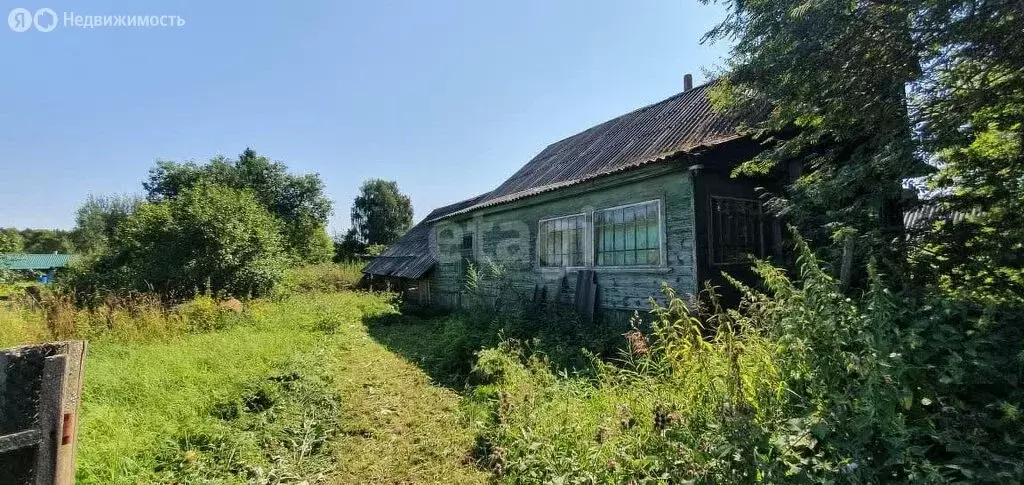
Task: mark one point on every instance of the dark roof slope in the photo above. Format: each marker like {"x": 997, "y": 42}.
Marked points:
{"x": 410, "y": 256}
{"x": 676, "y": 125}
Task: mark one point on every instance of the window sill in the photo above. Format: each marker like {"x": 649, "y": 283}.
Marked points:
{"x": 606, "y": 269}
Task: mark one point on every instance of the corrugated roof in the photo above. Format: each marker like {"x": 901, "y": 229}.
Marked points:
{"x": 20, "y": 261}
{"x": 679, "y": 124}
{"x": 929, "y": 212}
{"x": 410, "y": 256}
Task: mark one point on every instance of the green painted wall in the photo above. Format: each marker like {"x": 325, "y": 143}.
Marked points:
{"x": 507, "y": 236}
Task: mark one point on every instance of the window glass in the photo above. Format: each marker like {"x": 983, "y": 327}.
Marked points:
{"x": 561, "y": 241}
{"x": 628, "y": 236}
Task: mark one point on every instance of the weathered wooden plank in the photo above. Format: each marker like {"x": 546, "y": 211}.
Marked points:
{"x": 50, "y": 418}
{"x": 74, "y": 352}
{"x": 20, "y": 375}
{"x": 19, "y": 440}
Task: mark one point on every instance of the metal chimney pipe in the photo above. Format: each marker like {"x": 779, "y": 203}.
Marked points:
{"x": 687, "y": 82}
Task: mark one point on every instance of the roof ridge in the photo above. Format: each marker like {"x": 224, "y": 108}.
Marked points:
{"x": 637, "y": 110}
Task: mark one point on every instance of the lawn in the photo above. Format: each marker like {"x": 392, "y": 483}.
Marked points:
{"x": 298, "y": 391}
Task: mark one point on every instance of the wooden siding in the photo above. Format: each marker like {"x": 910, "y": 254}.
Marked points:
{"x": 507, "y": 235}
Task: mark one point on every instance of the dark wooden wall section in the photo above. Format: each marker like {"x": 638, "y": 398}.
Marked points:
{"x": 713, "y": 178}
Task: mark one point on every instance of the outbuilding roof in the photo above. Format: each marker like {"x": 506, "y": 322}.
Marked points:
{"x": 24, "y": 261}
{"x": 680, "y": 124}
{"x": 410, "y": 256}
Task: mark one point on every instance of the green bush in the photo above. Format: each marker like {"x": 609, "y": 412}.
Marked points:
{"x": 208, "y": 239}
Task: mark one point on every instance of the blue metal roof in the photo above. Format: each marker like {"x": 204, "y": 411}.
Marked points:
{"x": 33, "y": 261}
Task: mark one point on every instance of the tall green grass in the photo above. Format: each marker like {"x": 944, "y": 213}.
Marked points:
{"x": 801, "y": 385}
{"x": 326, "y": 277}
{"x": 143, "y": 400}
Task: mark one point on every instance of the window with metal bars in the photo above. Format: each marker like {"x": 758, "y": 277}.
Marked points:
{"x": 466, "y": 250}
{"x": 737, "y": 229}
{"x": 629, "y": 235}
{"x": 562, "y": 241}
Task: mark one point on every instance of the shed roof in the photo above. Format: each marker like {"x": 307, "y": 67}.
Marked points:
{"x": 21, "y": 261}
{"x": 410, "y": 256}
{"x": 679, "y": 124}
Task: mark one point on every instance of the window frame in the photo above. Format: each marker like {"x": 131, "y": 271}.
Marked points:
{"x": 662, "y": 256}
{"x": 586, "y": 250}
{"x": 712, "y": 236}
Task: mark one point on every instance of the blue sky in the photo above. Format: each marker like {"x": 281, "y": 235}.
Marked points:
{"x": 448, "y": 98}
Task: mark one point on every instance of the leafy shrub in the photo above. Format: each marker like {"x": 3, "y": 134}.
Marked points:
{"x": 209, "y": 239}
{"x": 200, "y": 314}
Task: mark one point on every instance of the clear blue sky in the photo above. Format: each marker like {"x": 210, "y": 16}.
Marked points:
{"x": 447, "y": 98}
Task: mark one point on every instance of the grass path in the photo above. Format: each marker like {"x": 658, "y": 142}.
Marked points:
{"x": 395, "y": 426}
{"x": 399, "y": 427}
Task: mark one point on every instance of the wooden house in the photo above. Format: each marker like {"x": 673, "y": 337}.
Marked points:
{"x": 605, "y": 217}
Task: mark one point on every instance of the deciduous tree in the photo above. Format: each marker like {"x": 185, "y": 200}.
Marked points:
{"x": 297, "y": 200}
{"x": 381, "y": 213}
{"x": 97, "y": 219}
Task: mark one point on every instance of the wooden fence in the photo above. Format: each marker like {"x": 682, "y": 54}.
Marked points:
{"x": 40, "y": 391}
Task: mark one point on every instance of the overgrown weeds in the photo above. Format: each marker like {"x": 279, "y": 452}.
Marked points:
{"x": 55, "y": 315}
{"x": 801, "y": 385}
{"x": 326, "y": 277}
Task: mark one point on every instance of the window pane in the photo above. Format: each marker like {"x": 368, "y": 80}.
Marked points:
{"x": 653, "y": 256}
{"x": 561, "y": 241}
{"x": 628, "y": 236}
{"x": 653, "y": 235}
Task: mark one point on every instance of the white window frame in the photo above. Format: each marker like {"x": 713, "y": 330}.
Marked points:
{"x": 662, "y": 256}
{"x": 587, "y": 249}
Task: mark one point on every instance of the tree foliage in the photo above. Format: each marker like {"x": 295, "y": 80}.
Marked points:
{"x": 971, "y": 112}
{"x": 297, "y": 200}
{"x": 208, "y": 238}
{"x": 11, "y": 241}
{"x": 38, "y": 240}
{"x": 862, "y": 93}
{"x": 381, "y": 213}
{"x": 97, "y": 219}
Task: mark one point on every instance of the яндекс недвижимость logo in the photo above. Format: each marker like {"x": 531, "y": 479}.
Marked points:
{"x": 45, "y": 20}
{"x": 21, "y": 19}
